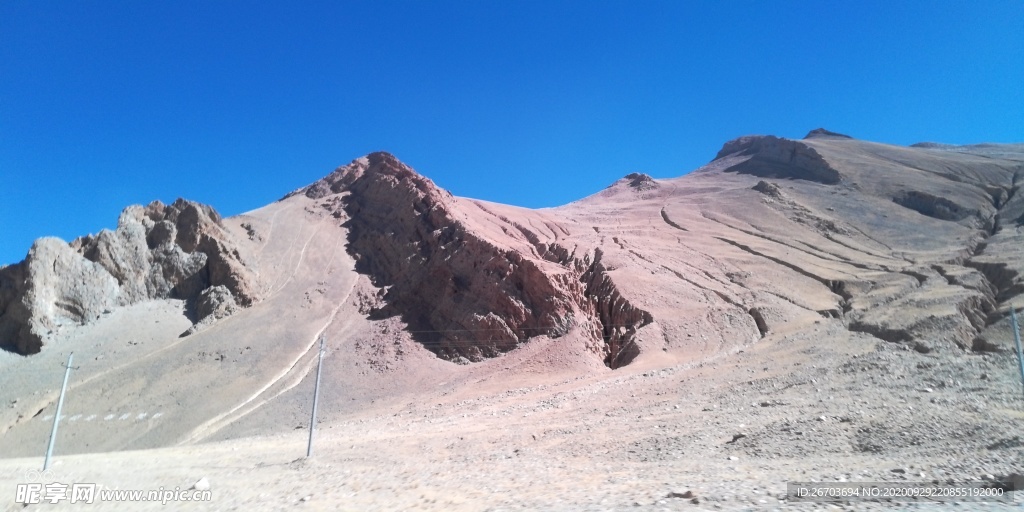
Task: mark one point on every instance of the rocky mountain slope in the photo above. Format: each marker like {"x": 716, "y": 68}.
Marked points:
{"x": 467, "y": 291}
{"x": 159, "y": 251}
{"x": 915, "y": 246}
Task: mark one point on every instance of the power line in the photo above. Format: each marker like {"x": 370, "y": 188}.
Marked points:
{"x": 546, "y": 329}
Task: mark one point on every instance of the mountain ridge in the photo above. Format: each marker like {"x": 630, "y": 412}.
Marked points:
{"x": 917, "y": 247}
{"x": 760, "y": 156}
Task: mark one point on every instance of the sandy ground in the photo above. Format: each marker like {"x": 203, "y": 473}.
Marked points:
{"x": 818, "y": 404}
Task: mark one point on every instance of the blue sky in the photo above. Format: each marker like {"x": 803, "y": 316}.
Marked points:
{"x": 536, "y": 103}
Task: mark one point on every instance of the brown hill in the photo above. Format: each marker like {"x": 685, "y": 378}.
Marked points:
{"x": 214, "y": 321}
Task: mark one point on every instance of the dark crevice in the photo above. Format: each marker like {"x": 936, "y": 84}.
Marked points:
{"x": 836, "y": 287}
{"x": 712, "y": 277}
{"x": 619, "y": 319}
{"x": 762, "y": 326}
{"x": 787, "y": 299}
{"x": 839, "y": 288}
{"x": 921, "y": 278}
{"x": 835, "y": 240}
{"x": 755, "y": 313}
{"x": 782, "y": 262}
{"x": 725, "y": 297}
{"x": 837, "y": 258}
{"x": 942, "y": 272}
{"x": 940, "y": 208}
{"x": 994, "y": 281}
{"x": 890, "y": 335}
{"x": 1002, "y": 281}
{"x": 670, "y": 222}
{"x": 693, "y": 283}
{"x": 638, "y": 255}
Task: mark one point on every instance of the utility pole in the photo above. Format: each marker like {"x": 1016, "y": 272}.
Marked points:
{"x": 316, "y": 395}
{"x": 1016, "y": 339}
{"x": 56, "y": 417}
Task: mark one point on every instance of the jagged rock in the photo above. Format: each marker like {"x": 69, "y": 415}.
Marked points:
{"x": 641, "y": 181}
{"x": 922, "y": 347}
{"x": 158, "y": 251}
{"x": 772, "y": 157}
{"x": 451, "y": 283}
{"x": 56, "y": 287}
{"x": 174, "y": 250}
{"x": 768, "y": 189}
{"x": 213, "y": 303}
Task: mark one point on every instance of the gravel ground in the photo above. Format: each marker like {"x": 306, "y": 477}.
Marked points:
{"x": 822, "y": 404}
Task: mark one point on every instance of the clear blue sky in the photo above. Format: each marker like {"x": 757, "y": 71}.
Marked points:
{"x": 536, "y": 103}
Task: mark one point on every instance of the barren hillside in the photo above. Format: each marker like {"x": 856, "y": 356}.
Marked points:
{"x": 827, "y": 264}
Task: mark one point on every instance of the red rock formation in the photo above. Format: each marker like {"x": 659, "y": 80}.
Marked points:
{"x": 464, "y": 293}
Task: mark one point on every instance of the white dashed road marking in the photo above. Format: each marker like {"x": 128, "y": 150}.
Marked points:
{"x": 120, "y": 416}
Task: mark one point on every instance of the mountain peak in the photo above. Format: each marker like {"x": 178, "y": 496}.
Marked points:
{"x": 379, "y": 164}
{"x": 821, "y": 133}
{"x": 640, "y": 181}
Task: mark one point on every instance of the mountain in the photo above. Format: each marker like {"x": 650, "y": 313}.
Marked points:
{"x": 216, "y": 320}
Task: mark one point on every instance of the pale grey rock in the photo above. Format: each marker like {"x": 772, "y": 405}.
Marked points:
{"x": 58, "y": 288}
{"x": 159, "y": 251}
{"x": 213, "y": 303}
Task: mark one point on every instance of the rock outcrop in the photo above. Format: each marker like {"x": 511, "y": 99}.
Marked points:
{"x": 641, "y": 181}
{"x": 773, "y": 157}
{"x": 464, "y": 294}
{"x": 175, "y": 251}
{"x": 159, "y": 251}
{"x": 213, "y": 303}
{"x": 941, "y": 208}
{"x": 821, "y": 133}
{"x": 54, "y": 286}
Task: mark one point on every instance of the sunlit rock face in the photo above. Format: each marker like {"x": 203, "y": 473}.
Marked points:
{"x": 157, "y": 251}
